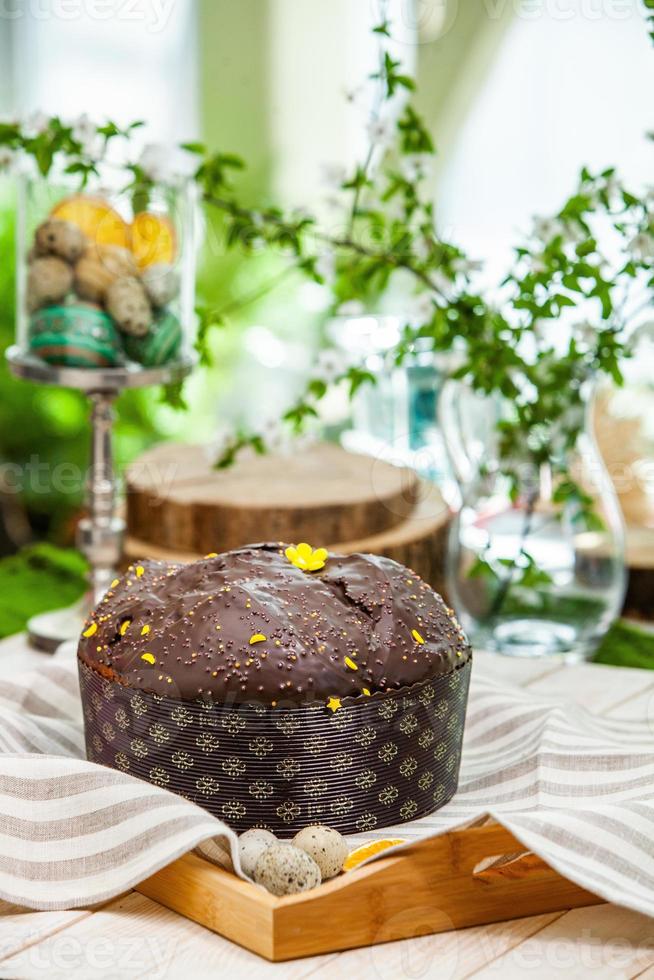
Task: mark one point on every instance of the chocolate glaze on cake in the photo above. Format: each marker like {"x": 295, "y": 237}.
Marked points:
{"x": 249, "y": 625}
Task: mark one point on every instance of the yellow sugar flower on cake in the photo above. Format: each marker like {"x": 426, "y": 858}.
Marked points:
{"x": 305, "y": 557}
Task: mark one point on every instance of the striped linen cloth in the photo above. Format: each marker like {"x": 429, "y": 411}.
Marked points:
{"x": 576, "y": 790}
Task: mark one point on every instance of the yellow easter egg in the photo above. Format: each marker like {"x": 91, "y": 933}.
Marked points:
{"x": 95, "y": 217}
{"x": 153, "y": 239}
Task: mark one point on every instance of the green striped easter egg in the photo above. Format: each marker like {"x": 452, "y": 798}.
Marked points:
{"x": 74, "y": 335}
{"x": 161, "y": 343}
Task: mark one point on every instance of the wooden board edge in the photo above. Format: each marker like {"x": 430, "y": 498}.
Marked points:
{"x": 217, "y": 899}
{"x": 368, "y": 905}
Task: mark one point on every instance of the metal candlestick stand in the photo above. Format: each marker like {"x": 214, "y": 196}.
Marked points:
{"x": 100, "y": 535}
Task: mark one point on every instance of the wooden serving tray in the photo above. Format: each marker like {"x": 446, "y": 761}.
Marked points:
{"x": 463, "y": 878}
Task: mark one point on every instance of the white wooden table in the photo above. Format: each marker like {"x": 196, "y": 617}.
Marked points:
{"x": 134, "y": 937}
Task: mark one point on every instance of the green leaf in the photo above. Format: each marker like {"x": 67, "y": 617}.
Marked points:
{"x": 172, "y": 395}
{"x": 197, "y": 148}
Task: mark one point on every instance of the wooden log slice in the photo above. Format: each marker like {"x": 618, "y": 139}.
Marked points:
{"x": 177, "y": 501}
{"x": 419, "y": 541}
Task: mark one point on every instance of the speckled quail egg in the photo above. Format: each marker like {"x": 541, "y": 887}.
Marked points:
{"x": 99, "y": 267}
{"x": 48, "y": 281}
{"x": 127, "y": 303}
{"x": 251, "y": 846}
{"x": 327, "y": 847}
{"x": 62, "y": 238}
{"x": 161, "y": 283}
{"x": 284, "y": 870}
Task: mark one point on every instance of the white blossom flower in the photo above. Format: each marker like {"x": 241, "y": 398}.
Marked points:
{"x": 546, "y": 229}
{"x": 394, "y": 209}
{"x": 416, "y": 166}
{"x": 330, "y": 365}
{"x": 645, "y": 332}
{"x": 641, "y": 246}
{"x": 442, "y": 282}
{"x": 36, "y": 123}
{"x": 222, "y": 442}
{"x": 541, "y": 329}
{"x": 357, "y": 97}
{"x": 574, "y": 233}
{"x": 422, "y": 248}
{"x": 85, "y": 131}
{"x": 420, "y": 309}
{"x": 8, "y": 159}
{"x": 301, "y": 213}
{"x": 380, "y": 131}
{"x": 83, "y": 128}
{"x": 465, "y": 267}
{"x": 155, "y": 162}
{"x": 275, "y": 435}
{"x": 613, "y": 188}
{"x": 333, "y": 175}
{"x": 585, "y": 332}
{"x": 351, "y": 307}
{"x": 538, "y": 265}
{"x": 325, "y": 266}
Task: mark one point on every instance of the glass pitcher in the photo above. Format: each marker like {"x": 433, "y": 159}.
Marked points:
{"x": 532, "y": 569}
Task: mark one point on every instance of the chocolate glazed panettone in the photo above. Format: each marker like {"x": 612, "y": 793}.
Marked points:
{"x": 279, "y": 686}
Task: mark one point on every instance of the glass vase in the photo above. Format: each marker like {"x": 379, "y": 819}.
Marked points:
{"x": 396, "y": 418}
{"x": 535, "y": 563}
{"x": 105, "y": 276}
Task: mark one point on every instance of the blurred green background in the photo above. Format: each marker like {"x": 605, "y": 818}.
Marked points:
{"x": 279, "y": 82}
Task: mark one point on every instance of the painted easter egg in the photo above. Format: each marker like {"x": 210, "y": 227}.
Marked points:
{"x": 160, "y": 345}
{"x": 74, "y": 335}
